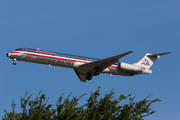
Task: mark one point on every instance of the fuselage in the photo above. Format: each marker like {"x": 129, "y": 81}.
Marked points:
{"x": 86, "y": 67}
{"x": 62, "y": 60}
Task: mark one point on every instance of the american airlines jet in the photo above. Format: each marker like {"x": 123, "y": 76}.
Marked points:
{"x": 86, "y": 67}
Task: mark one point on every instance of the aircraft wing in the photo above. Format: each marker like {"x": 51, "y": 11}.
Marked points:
{"x": 91, "y": 67}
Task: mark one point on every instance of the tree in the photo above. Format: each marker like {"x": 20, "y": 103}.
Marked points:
{"x": 106, "y": 108}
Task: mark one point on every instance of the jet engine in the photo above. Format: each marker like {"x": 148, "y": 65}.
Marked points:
{"x": 130, "y": 67}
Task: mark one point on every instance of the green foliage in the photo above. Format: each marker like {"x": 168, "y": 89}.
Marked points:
{"x": 106, "y": 108}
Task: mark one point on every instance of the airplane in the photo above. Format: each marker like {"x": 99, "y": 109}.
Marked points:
{"x": 86, "y": 67}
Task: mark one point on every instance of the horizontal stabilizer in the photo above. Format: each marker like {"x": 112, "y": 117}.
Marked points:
{"x": 159, "y": 54}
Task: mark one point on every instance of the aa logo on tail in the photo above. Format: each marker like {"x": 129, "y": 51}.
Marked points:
{"x": 145, "y": 62}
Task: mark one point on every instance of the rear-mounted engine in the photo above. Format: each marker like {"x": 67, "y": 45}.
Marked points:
{"x": 130, "y": 67}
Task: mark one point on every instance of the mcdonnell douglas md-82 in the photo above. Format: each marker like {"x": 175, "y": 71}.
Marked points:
{"x": 86, "y": 67}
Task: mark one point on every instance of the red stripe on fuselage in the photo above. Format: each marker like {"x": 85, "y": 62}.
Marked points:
{"x": 67, "y": 59}
{"x": 15, "y": 52}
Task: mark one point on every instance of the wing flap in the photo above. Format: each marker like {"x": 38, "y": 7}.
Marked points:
{"x": 81, "y": 75}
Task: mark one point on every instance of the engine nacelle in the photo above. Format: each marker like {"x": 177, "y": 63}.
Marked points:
{"x": 130, "y": 67}
{"x": 77, "y": 64}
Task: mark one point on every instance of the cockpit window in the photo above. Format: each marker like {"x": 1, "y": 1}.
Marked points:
{"x": 24, "y": 49}
{"x": 19, "y": 49}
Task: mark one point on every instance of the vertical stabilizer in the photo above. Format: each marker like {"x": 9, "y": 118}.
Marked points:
{"x": 149, "y": 59}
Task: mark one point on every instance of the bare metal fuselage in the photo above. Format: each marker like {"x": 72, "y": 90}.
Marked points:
{"x": 63, "y": 60}
{"x": 86, "y": 67}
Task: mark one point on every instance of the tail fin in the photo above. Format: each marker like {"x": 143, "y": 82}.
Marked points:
{"x": 149, "y": 59}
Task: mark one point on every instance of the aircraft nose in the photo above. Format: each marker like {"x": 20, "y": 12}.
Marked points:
{"x": 7, "y": 54}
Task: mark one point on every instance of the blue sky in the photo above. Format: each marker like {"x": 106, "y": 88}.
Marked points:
{"x": 98, "y": 29}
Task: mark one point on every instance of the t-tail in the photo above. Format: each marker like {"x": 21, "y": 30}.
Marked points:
{"x": 148, "y": 60}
